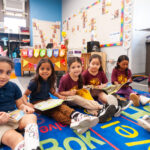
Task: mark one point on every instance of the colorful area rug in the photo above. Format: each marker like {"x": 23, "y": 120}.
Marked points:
{"x": 121, "y": 133}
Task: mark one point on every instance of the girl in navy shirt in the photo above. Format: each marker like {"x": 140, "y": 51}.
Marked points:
{"x": 44, "y": 83}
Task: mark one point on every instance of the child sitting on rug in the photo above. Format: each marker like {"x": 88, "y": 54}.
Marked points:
{"x": 10, "y": 97}
{"x": 72, "y": 82}
{"x": 120, "y": 75}
{"x": 149, "y": 84}
{"x": 95, "y": 76}
{"x": 43, "y": 84}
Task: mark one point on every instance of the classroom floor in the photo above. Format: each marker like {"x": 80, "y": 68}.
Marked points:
{"x": 128, "y": 134}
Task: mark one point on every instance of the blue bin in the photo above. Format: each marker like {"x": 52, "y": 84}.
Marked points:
{"x": 17, "y": 66}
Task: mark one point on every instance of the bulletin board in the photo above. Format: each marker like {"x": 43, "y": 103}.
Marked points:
{"x": 101, "y": 21}
{"x": 45, "y": 32}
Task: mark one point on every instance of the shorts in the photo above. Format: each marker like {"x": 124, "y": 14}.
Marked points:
{"x": 8, "y": 126}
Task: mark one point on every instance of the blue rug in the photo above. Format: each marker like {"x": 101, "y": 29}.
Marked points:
{"x": 121, "y": 133}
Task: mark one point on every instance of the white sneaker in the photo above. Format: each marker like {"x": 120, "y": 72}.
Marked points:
{"x": 125, "y": 104}
{"x": 82, "y": 130}
{"x": 118, "y": 111}
{"x": 144, "y": 100}
{"x": 144, "y": 122}
{"x": 83, "y": 120}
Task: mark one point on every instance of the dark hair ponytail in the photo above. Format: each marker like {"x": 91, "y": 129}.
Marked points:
{"x": 120, "y": 59}
{"x": 72, "y": 60}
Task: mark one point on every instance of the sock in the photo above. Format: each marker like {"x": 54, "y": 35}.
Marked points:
{"x": 20, "y": 146}
{"x": 31, "y": 136}
{"x": 74, "y": 114}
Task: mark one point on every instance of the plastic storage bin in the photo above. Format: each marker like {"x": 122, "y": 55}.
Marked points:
{"x": 17, "y": 66}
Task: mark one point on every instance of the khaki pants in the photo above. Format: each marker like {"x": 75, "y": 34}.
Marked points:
{"x": 91, "y": 105}
{"x": 8, "y": 126}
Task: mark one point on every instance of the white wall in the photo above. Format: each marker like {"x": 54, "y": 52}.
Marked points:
{"x": 70, "y": 7}
{"x": 141, "y": 20}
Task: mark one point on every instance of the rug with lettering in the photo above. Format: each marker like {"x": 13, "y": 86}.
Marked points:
{"x": 121, "y": 133}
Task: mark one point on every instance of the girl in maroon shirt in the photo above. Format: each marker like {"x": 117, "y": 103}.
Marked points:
{"x": 120, "y": 75}
{"x": 95, "y": 75}
{"x": 72, "y": 82}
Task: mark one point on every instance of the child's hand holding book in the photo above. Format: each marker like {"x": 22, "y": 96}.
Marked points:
{"x": 27, "y": 109}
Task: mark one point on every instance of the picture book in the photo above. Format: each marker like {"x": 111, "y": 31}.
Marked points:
{"x": 16, "y": 115}
{"x": 48, "y": 104}
{"x": 110, "y": 89}
{"x": 84, "y": 93}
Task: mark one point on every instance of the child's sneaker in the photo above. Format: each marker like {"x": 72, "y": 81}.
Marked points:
{"x": 135, "y": 99}
{"x": 124, "y": 104}
{"x": 82, "y": 130}
{"x": 118, "y": 111}
{"x": 144, "y": 100}
{"x": 107, "y": 112}
{"x": 82, "y": 120}
{"x": 144, "y": 122}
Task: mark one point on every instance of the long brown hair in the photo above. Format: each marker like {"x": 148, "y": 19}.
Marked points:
{"x": 120, "y": 59}
{"x": 51, "y": 79}
{"x": 72, "y": 60}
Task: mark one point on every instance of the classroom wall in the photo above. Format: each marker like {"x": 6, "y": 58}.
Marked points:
{"x": 48, "y": 10}
{"x": 70, "y": 7}
{"x": 141, "y": 11}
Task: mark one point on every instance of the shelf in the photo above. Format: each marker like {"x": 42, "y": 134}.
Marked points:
{"x": 15, "y": 33}
{"x": 15, "y": 41}
{"x": 18, "y": 42}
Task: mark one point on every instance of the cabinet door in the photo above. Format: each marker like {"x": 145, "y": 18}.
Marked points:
{"x": 86, "y": 57}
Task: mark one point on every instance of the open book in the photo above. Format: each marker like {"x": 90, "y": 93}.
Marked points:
{"x": 110, "y": 89}
{"x": 48, "y": 104}
{"x": 16, "y": 115}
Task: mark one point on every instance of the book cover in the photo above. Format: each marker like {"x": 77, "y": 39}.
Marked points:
{"x": 16, "y": 115}
{"x": 110, "y": 89}
{"x": 48, "y": 104}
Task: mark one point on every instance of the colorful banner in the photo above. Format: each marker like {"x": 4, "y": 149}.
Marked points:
{"x": 49, "y": 52}
{"x": 55, "y": 52}
{"x": 36, "y": 52}
{"x": 42, "y": 52}
{"x": 63, "y": 62}
{"x": 30, "y": 52}
{"x": 31, "y": 65}
{"x": 24, "y": 52}
{"x": 62, "y": 52}
{"x": 35, "y": 65}
{"x": 25, "y": 62}
{"x": 58, "y": 64}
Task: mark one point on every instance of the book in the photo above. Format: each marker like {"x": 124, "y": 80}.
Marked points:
{"x": 85, "y": 94}
{"x": 16, "y": 115}
{"x": 48, "y": 104}
{"x": 110, "y": 89}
